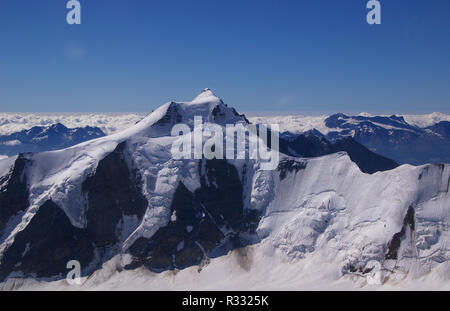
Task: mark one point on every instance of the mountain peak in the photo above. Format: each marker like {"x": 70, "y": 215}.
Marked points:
{"x": 208, "y": 92}
{"x": 206, "y": 95}
{"x": 206, "y": 105}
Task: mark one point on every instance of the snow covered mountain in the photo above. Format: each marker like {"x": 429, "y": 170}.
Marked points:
{"x": 135, "y": 217}
{"x": 46, "y": 138}
{"x": 410, "y": 139}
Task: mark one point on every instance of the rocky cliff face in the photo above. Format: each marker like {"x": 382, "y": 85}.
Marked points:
{"x": 314, "y": 144}
{"x": 13, "y": 191}
{"x": 46, "y": 245}
{"x": 114, "y": 193}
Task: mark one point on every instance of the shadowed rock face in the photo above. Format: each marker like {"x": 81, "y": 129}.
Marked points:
{"x": 45, "y": 246}
{"x": 314, "y": 145}
{"x": 396, "y": 241}
{"x": 221, "y": 193}
{"x": 182, "y": 241}
{"x": 305, "y": 145}
{"x": 13, "y": 192}
{"x": 171, "y": 117}
{"x": 200, "y": 222}
{"x": 112, "y": 193}
{"x": 368, "y": 161}
{"x": 288, "y": 166}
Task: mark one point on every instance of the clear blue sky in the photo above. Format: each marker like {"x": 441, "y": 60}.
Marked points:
{"x": 315, "y": 56}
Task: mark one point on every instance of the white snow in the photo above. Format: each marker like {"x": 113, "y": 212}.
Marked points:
{"x": 174, "y": 216}
{"x": 349, "y": 217}
{"x": 390, "y": 127}
{"x": 5, "y": 165}
{"x": 426, "y": 120}
{"x": 11, "y": 143}
{"x": 295, "y": 123}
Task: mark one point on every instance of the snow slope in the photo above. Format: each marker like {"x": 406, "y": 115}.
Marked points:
{"x": 5, "y": 165}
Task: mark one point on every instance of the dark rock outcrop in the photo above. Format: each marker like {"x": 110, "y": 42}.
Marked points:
{"x": 171, "y": 117}
{"x": 201, "y": 221}
{"x": 396, "y": 241}
{"x": 13, "y": 191}
{"x": 368, "y": 161}
{"x": 289, "y": 166}
{"x": 112, "y": 192}
{"x": 182, "y": 241}
{"x": 314, "y": 145}
{"x": 46, "y": 245}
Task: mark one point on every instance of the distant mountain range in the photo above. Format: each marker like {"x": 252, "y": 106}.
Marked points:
{"x": 408, "y": 139}
{"x": 46, "y": 138}
{"x": 412, "y": 140}
{"x": 394, "y": 138}
{"x": 108, "y": 122}
{"x": 308, "y": 145}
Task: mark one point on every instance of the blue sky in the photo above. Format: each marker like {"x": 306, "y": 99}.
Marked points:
{"x": 315, "y": 56}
